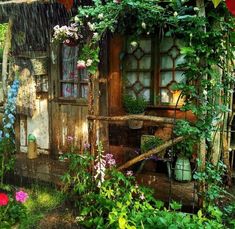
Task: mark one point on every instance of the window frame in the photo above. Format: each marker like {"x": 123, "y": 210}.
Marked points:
{"x": 77, "y": 81}
{"x": 155, "y": 89}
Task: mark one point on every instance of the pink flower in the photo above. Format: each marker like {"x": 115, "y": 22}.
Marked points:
{"x": 110, "y": 160}
{"x": 3, "y": 199}
{"x": 81, "y": 64}
{"x": 21, "y": 196}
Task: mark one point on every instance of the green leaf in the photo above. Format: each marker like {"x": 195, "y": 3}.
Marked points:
{"x": 216, "y": 2}
{"x": 122, "y": 223}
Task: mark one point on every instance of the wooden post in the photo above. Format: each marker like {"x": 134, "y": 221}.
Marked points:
{"x": 202, "y": 145}
{"x": 6, "y": 50}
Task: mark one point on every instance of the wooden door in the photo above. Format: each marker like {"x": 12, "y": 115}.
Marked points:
{"x": 67, "y": 112}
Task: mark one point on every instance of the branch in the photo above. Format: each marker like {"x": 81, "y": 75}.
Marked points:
{"x": 151, "y": 152}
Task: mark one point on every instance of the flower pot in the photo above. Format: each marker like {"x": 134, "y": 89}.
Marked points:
{"x": 183, "y": 169}
{"x": 135, "y": 124}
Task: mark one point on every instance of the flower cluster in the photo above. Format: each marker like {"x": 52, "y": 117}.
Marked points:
{"x": 10, "y": 110}
{"x": 100, "y": 168}
{"x": 66, "y": 33}
{"x": 20, "y": 197}
{"x": 110, "y": 161}
{"x": 82, "y": 64}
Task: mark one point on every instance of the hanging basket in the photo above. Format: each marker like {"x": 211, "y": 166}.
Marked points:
{"x": 135, "y": 124}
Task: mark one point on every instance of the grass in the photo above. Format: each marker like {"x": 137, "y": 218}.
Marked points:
{"x": 41, "y": 201}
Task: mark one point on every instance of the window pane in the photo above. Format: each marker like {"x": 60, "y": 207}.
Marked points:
{"x": 84, "y": 90}
{"x": 165, "y": 96}
{"x": 179, "y": 60}
{"x": 131, "y": 78}
{"x": 166, "y": 44}
{"x": 166, "y": 62}
{"x": 131, "y": 63}
{"x": 179, "y": 76}
{"x": 145, "y": 45}
{"x": 166, "y": 78}
{"x": 69, "y": 62}
{"x": 174, "y": 52}
{"x": 145, "y": 62}
{"x": 145, "y": 78}
{"x": 146, "y": 94}
{"x": 138, "y": 53}
{"x": 67, "y": 90}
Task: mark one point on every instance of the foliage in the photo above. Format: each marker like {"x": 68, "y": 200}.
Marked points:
{"x": 12, "y": 209}
{"x": 7, "y": 143}
{"x": 77, "y": 179}
{"x": 41, "y": 201}
{"x": 3, "y": 29}
{"x": 212, "y": 177}
{"x": 150, "y": 142}
{"x": 134, "y": 105}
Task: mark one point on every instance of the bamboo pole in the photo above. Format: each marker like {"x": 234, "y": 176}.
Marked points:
{"x": 134, "y": 117}
{"x": 150, "y": 153}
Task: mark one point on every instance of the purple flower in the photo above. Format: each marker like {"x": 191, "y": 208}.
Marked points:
{"x": 129, "y": 173}
{"x": 21, "y": 196}
{"x": 110, "y": 160}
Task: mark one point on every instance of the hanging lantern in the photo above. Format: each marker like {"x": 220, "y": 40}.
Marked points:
{"x": 67, "y": 4}
{"x": 231, "y": 6}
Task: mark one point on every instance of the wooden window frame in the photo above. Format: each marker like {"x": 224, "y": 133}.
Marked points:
{"x": 156, "y": 71}
{"x": 78, "y": 81}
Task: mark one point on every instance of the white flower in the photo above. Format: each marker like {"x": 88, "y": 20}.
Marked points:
{"x": 134, "y": 44}
{"x": 143, "y": 25}
{"x": 129, "y": 173}
{"x": 196, "y": 9}
{"x": 89, "y": 62}
{"x": 142, "y": 197}
{"x": 81, "y": 64}
{"x": 101, "y": 16}
{"x": 91, "y": 26}
{"x": 95, "y": 35}
{"x": 175, "y": 14}
{"x": 204, "y": 92}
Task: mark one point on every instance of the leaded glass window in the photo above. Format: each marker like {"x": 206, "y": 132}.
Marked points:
{"x": 74, "y": 83}
{"x": 170, "y": 58}
{"x": 138, "y": 68}
{"x": 150, "y": 69}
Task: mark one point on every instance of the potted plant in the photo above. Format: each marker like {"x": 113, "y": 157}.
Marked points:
{"x": 134, "y": 105}
{"x": 183, "y": 170}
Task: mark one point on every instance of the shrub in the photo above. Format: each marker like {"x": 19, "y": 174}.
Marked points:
{"x": 134, "y": 105}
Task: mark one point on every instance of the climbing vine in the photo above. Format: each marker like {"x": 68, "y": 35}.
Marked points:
{"x": 207, "y": 50}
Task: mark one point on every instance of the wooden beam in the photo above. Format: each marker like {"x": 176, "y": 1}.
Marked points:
{"x": 151, "y": 152}
{"x": 134, "y": 117}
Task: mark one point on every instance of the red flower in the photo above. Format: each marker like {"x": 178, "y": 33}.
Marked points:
{"x": 231, "y": 6}
{"x": 3, "y": 199}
